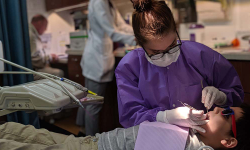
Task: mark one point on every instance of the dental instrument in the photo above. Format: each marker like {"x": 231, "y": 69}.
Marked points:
{"x": 186, "y": 105}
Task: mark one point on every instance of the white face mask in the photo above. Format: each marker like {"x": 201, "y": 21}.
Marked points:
{"x": 166, "y": 60}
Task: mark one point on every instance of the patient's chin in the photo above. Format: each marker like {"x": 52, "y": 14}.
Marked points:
{"x": 204, "y": 126}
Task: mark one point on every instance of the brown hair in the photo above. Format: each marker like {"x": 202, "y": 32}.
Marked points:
{"x": 151, "y": 19}
{"x": 37, "y": 18}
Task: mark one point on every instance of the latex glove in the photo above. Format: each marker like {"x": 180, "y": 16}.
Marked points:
{"x": 211, "y": 95}
{"x": 183, "y": 116}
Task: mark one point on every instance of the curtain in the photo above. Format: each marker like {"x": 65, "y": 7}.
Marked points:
{"x": 14, "y": 34}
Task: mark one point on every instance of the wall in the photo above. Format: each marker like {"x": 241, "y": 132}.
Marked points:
{"x": 60, "y": 24}
{"x": 240, "y": 17}
{"x": 239, "y": 22}
{"x": 124, "y": 6}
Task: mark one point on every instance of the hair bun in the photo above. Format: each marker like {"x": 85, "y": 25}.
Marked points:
{"x": 142, "y": 5}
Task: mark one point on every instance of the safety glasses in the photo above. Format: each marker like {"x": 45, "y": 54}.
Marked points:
{"x": 229, "y": 112}
{"x": 169, "y": 50}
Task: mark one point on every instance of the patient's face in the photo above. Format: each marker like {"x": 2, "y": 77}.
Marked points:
{"x": 219, "y": 127}
{"x": 220, "y": 124}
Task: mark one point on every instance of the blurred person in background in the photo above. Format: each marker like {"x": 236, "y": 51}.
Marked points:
{"x": 106, "y": 26}
{"x": 41, "y": 60}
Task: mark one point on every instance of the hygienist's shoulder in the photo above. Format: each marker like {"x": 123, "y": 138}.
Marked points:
{"x": 193, "y": 49}
{"x": 132, "y": 58}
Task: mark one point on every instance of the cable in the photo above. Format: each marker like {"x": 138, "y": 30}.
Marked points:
{"x": 77, "y": 85}
{"x": 14, "y": 72}
{"x": 90, "y": 92}
{"x": 44, "y": 76}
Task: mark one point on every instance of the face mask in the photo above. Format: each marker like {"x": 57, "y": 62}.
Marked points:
{"x": 166, "y": 60}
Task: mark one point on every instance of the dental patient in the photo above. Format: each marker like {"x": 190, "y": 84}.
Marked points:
{"x": 227, "y": 128}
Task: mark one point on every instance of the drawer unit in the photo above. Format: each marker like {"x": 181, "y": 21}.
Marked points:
{"x": 247, "y": 98}
{"x": 77, "y": 77}
{"x": 74, "y": 63}
{"x": 74, "y": 69}
{"x": 243, "y": 70}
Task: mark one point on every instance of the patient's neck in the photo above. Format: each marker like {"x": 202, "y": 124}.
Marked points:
{"x": 209, "y": 139}
{"x": 206, "y": 140}
{"x": 211, "y": 142}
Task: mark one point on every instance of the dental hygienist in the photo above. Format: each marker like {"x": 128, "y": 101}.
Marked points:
{"x": 106, "y": 26}
{"x": 153, "y": 79}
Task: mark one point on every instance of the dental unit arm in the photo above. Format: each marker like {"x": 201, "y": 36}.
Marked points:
{"x": 47, "y": 96}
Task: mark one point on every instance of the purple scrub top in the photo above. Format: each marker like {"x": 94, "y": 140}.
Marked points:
{"x": 145, "y": 89}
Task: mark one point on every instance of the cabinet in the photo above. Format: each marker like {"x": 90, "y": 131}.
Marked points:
{"x": 74, "y": 69}
{"x": 109, "y": 112}
{"x": 55, "y": 4}
{"x": 243, "y": 70}
{"x": 72, "y": 2}
{"x": 247, "y": 98}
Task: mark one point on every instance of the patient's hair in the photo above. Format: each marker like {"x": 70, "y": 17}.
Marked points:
{"x": 243, "y": 129}
{"x": 37, "y": 18}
